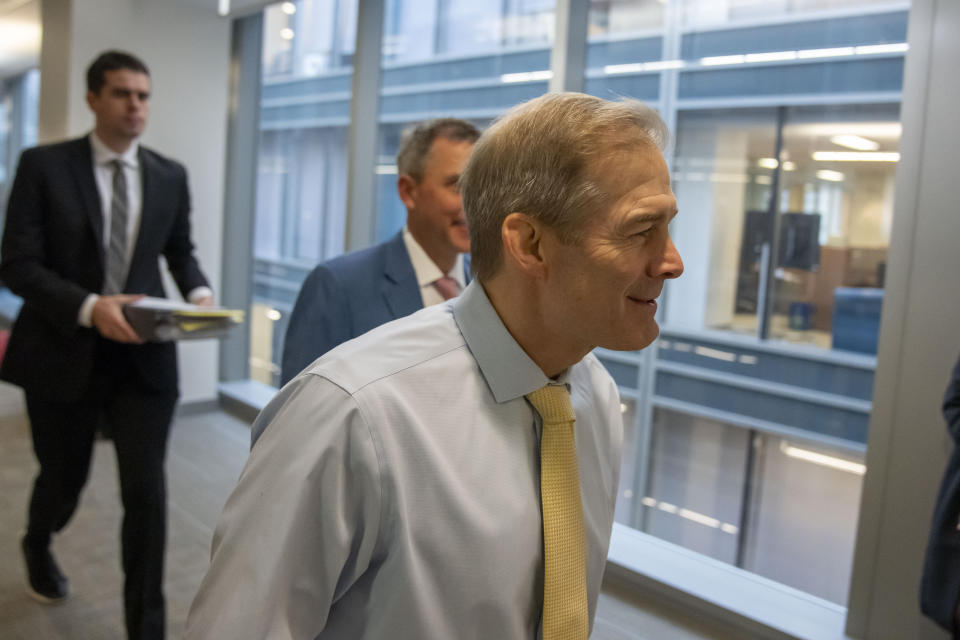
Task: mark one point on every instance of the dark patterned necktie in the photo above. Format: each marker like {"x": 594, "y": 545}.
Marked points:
{"x": 116, "y": 271}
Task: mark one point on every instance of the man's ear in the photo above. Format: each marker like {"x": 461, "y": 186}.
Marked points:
{"x": 90, "y": 96}
{"x": 522, "y": 237}
{"x": 407, "y": 190}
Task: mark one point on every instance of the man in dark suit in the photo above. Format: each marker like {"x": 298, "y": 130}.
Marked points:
{"x": 87, "y": 221}
{"x": 422, "y": 265}
{"x": 940, "y": 588}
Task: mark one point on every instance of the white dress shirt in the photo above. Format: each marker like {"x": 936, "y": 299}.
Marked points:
{"x": 392, "y": 490}
{"x": 103, "y": 156}
{"x": 428, "y": 272}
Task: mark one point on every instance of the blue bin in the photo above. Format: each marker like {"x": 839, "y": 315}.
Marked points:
{"x": 856, "y": 318}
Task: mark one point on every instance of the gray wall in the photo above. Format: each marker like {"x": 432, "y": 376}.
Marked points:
{"x": 919, "y": 341}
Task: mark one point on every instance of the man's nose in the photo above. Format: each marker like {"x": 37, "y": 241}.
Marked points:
{"x": 671, "y": 266}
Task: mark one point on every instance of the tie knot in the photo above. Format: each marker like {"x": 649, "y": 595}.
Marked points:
{"x": 447, "y": 286}
{"x": 116, "y": 164}
{"x": 553, "y": 404}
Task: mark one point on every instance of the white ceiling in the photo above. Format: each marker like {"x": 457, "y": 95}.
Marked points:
{"x": 20, "y": 29}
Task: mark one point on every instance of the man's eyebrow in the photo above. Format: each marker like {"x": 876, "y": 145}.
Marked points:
{"x": 644, "y": 218}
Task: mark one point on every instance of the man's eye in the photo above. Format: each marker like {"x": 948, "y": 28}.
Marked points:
{"x": 643, "y": 233}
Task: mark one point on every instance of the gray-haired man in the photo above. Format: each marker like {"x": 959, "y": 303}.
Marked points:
{"x": 453, "y": 474}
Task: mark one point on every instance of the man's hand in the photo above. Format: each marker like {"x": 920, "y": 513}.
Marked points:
{"x": 206, "y": 301}
{"x": 107, "y": 318}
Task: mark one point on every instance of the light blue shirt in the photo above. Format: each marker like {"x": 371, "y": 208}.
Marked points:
{"x": 393, "y": 490}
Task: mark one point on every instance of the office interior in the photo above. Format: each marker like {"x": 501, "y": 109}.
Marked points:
{"x": 784, "y": 443}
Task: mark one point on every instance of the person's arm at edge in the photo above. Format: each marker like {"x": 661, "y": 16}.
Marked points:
{"x": 302, "y": 524}
{"x": 320, "y": 320}
{"x": 951, "y": 413}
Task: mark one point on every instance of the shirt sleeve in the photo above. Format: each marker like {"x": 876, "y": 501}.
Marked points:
{"x": 199, "y": 294}
{"x": 85, "y": 315}
{"x": 302, "y": 524}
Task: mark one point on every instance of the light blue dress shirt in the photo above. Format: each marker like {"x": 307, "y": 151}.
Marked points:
{"x": 393, "y": 490}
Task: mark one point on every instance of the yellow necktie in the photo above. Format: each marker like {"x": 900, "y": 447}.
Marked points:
{"x": 564, "y": 548}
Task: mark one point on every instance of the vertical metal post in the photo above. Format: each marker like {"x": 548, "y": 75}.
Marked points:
{"x": 669, "y": 81}
{"x": 769, "y": 257}
{"x": 364, "y": 116}
{"x": 568, "y": 58}
{"x": 746, "y": 499}
{"x": 240, "y": 190}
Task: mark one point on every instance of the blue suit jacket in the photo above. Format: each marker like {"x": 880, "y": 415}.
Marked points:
{"x": 940, "y": 588}
{"x": 346, "y": 297}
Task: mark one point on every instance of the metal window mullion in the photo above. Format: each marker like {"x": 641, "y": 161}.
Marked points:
{"x": 771, "y": 248}
{"x": 568, "y": 57}
{"x": 240, "y": 187}
{"x": 362, "y": 139}
{"x": 672, "y": 40}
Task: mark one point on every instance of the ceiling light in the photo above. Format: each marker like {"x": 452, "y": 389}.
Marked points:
{"x": 855, "y": 142}
{"x": 768, "y": 163}
{"x": 633, "y": 67}
{"x": 896, "y": 47}
{"x": 822, "y": 459}
{"x": 715, "y": 60}
{"x": 789, "y": 166}
{"x": 223, "y": 7}
{"x": 856, "y": 156}
{"x": 831, "y": 52}
{"x": 286, "y": 33}
{"x": 288, "y": 8}
{"x": 528, "y": 76}
{"x": 664, "y": 64}
{"x": 830, "y": 176}
{"x": 771, "y": 56}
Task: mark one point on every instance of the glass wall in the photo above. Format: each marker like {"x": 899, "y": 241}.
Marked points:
{"x": 302, "y": 180}
{"x": 458, "y": 59}
{"x": 746, "y": 422}
{"x": 18, "y": 122}
{"x": 785, "y": 119}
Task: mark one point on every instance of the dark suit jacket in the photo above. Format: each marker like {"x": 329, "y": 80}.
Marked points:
{"x": 53, "y": 257}
{"x": 348, "y": 296}
{"x": 940, "y": 588}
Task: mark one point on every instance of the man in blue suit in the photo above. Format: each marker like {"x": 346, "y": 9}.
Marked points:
{"x": 423, "y": 264}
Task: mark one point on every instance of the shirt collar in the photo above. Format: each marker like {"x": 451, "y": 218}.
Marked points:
{"x": 426, "y": 269}
{"x": 507, "y": 369}
{"x": 102, "y": 154}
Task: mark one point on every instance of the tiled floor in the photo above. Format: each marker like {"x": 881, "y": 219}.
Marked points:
{"x": 207, "y": 452}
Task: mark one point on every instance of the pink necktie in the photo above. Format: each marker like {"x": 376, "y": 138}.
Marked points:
{"x": 448, "y": 287}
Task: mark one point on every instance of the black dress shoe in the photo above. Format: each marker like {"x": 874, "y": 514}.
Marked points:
{"x": 45, "y": 582}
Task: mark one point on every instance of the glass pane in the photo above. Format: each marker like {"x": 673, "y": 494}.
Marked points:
{"x": 624, "y": 45}
{"x": 459, "y": 59}
{"x": 302, "y": 180}
{"x": 804, "y": 520}
{"x": 713, "y": 13}
{"x": 6, "y": 173}
{"x": 722, "y": 178}
{"x": 626, "y": 504}
{"x": 697, "y": 471}
{"x": 745, "y": 332}
{"x": 836, "y": 205}
{"x": 620, "y": 17}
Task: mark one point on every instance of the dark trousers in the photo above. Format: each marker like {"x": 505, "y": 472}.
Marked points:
{"x": 138, "y": 421}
